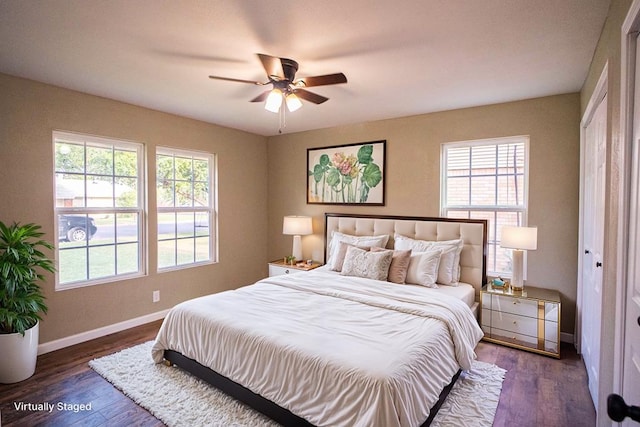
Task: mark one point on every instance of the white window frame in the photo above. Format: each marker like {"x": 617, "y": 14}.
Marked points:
{"x": 493, "y": 238}
{"x": 211, "y": 209}
{"x": 85, "y": 140}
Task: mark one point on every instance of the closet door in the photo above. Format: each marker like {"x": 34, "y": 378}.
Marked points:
{"x": 593, "y": 243}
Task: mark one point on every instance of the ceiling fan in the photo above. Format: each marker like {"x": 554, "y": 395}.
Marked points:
{"x": 281, "y": 73}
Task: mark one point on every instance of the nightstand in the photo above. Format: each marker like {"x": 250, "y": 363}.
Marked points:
{"x": 278, "y": 267}
{"x": 528, "y": 320}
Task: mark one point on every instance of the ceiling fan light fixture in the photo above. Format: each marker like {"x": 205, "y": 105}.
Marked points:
{"x": 293, "y": 102}
{"x": 274, "y": 100}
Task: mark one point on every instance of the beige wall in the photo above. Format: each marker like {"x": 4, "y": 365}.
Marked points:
{"x": 413, "y": 177}
{"x": 30, "y": 111}
{"x": 608, "y": 52}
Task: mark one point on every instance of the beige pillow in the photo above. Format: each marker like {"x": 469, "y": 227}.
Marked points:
{"x": 338, "y": 259}
{"x": 399, "y": 264}
{"x": 370, "y": 265}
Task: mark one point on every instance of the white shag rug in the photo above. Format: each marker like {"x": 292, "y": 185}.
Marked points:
{"x": 179, "y": 399}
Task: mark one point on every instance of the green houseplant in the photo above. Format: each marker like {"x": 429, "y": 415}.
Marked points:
{"x": 22, "y": 263}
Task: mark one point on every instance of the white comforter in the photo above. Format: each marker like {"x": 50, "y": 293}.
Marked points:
{"x": 335, "y": 350}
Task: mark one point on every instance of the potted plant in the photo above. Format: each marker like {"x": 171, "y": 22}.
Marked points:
{"x": 21, "y": 300}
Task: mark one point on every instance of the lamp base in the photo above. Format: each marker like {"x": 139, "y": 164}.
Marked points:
{"x": 297, "y": 247}
{"x": 517, "y": 279}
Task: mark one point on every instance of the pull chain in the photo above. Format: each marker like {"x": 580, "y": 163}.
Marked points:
{"x": 282, "y": 119}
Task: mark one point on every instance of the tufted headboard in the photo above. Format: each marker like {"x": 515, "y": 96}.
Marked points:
{"x": 473, "y": 232}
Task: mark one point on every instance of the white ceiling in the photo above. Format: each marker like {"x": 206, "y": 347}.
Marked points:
{"x": 401, "y": 57}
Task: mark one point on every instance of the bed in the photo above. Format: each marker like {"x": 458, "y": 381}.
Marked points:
{"x": 343, "y": 346}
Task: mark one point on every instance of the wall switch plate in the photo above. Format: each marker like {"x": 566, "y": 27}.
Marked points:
{"x": 156, "y": 296}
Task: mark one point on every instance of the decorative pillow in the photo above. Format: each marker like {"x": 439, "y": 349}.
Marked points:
{"x": 366, "y": 241}
{"x": 399, "y": 264}
{"x": 370, "y": 265}
{"x": 338, "y": 261}
{"x": 423, "y": 268}
{"x": 449, "y": 270}
{"x": 404, "y": 243}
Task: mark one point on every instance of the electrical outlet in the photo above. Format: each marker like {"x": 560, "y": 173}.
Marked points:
{"x": 156, "y": 296}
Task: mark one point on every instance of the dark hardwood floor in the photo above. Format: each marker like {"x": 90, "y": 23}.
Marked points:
{"x": 537, "y": 391}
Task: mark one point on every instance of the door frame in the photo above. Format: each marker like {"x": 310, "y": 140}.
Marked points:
{"x": 598, "y": 95}
{"x": 629, "y": 34}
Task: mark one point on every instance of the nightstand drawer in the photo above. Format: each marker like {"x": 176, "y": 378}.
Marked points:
{"x": 514, "y": 338}
{"x": 275, "y": 270}
{"x": 551, "y": 331}
{"x": 551, "y": 346}
{"x": 513, "y": 323}
{"x": 515, "y": 305}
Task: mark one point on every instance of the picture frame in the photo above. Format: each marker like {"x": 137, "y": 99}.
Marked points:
{"x": 351, "y": 174}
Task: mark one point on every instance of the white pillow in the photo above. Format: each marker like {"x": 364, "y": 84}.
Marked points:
{"x": 423, "y": 268}
{"x": 446, "y": 269}
{"x": 365, "y": 241}
{"x": 404, "y": 243}
{"x": 449, "y": 270}
{"x": 370, "y": 265}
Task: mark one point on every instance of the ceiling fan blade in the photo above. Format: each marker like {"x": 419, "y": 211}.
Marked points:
{"x": 263, "y": 96}
{"x": 272, "y": 65}
{"x": 328, "y": 79}
{"x": 310, "y": 96}
{"x": 229, "y": 79}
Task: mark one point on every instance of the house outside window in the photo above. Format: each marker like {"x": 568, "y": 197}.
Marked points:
{"x": 99, "y": 199}
{"x": 487, "y": 179}
{"x": 186, "y": 200}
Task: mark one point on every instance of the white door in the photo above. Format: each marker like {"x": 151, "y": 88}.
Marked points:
{"x": 593, "y": 242}
{"x": 631, "y": 366}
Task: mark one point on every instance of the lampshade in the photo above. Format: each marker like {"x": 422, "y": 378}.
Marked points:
{"x": 525, "y": 238}
{"x": 274, "y": 100}
{"x": 293, "y": 102}
{"x": 297, "y": 225}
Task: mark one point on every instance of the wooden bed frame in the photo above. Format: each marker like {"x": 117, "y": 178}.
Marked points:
{"x": 367, "y": 224}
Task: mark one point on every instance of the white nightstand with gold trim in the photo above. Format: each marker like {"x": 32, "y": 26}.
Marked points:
{"x": 528, "y": 320}
{"x": 278, "y": 267}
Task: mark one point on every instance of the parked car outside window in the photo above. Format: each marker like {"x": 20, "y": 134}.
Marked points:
{"x": 76, "y": 228}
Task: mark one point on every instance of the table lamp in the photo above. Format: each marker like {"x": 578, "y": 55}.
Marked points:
{"x": 297, "y": 226}
{"x": 519, "y": 239}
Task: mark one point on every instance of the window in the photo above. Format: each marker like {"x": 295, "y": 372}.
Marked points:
{"x": 186, "y": 214}
{"x": 98, "y": 209}
{"x": 487, "y": 179}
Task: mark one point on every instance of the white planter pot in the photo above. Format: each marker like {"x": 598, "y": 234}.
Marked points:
{"x": 19, "y": 355}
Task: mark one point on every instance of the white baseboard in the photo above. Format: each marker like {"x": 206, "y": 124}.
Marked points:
{"x": 100, "y": 332}
{"x": 566, "y": 337}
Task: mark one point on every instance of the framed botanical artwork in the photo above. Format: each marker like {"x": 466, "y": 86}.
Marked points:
{"x": 350, "y": 174}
